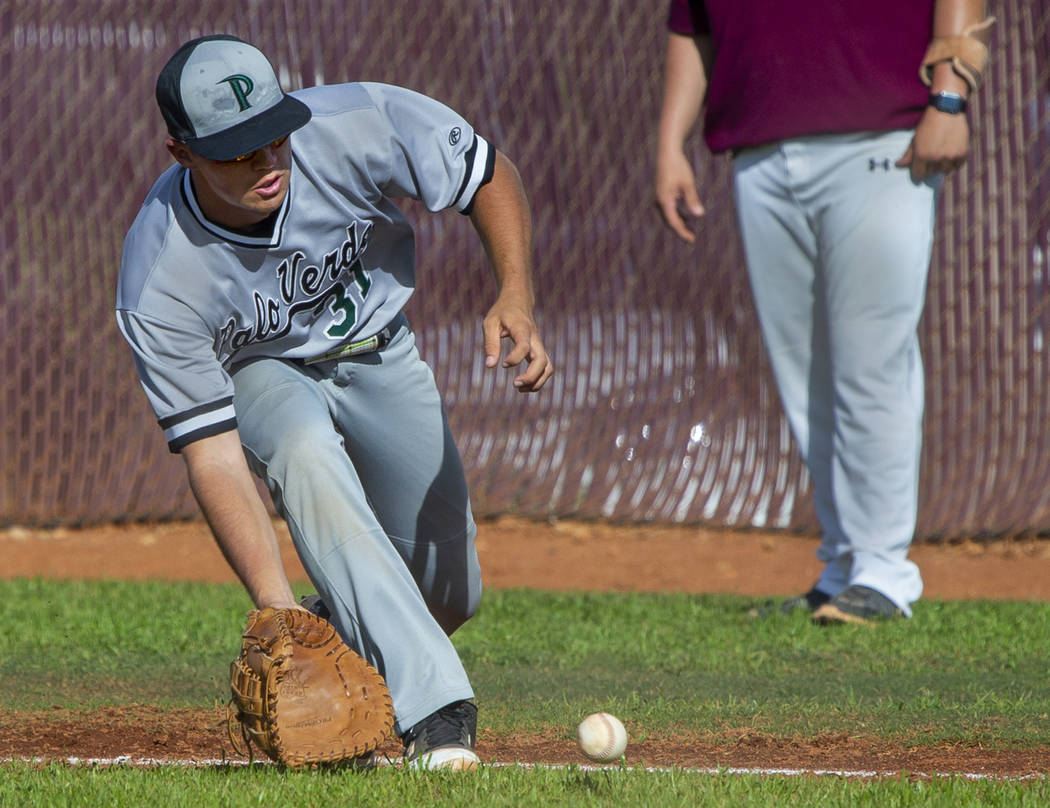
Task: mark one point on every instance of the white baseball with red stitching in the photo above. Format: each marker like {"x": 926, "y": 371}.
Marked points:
{"x": 602, "y": 737}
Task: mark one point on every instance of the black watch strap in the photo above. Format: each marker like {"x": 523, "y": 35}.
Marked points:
{"x": 952, "y": 103}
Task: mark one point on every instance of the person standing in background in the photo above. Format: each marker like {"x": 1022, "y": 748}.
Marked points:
{"x": 842, "y": 119}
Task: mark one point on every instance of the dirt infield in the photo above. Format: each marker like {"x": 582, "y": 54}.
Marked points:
{"x": 514, "y": 552}
{"x": 560, "y": 555}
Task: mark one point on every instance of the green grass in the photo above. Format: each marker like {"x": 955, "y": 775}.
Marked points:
{"x": 118, "y": 643}
{"x": 967, "y": 673}
{"x": 116, "y": 787}
{"x": 960, "y": 671}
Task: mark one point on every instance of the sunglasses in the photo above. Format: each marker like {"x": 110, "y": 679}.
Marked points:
{"x": 274, "y": 145}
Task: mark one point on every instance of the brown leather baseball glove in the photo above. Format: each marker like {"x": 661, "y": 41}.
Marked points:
{"x": 302, "y": 695}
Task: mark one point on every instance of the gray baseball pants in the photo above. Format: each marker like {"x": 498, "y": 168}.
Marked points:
{"x": 360, "y": 462}
{"x": 838, "y": 244}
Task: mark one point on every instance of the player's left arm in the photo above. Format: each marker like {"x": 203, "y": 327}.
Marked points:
{"x": 500, "y": 214}
{"x": 942, "y": 139}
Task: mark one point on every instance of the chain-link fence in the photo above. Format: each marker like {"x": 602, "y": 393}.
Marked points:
{"x": 663, "y": 407}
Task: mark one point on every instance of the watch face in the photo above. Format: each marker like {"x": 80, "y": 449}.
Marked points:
{"x": 948, "y": 102}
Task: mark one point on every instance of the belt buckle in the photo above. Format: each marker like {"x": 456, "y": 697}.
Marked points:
{"x": 363, "y": 346}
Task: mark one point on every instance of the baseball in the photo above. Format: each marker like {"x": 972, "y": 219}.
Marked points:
{"x": 602, "y": 737}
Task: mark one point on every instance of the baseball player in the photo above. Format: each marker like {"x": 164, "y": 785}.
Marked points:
{"x": 261, "y": 291}
{"x": 842, "y": 119}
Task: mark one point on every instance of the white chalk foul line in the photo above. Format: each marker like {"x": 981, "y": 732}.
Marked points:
{"x": 860, "y": 774}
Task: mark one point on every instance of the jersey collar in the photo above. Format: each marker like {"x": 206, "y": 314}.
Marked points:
{"x": 239, "y": 239}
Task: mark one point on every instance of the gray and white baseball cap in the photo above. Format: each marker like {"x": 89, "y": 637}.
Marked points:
{"x": 220, "y": 96}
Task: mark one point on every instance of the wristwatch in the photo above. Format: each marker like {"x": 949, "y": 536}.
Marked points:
{"x": 952, "y": 103}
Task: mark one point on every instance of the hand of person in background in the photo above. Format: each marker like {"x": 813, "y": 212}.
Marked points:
{"x": 940, "y": 145}
{"x": 676, "y": 193}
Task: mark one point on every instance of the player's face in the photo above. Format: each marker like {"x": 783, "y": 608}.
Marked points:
{"x": 239, "y": 193}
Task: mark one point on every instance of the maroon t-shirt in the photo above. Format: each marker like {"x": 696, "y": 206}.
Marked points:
{"x": 788, "y": 69}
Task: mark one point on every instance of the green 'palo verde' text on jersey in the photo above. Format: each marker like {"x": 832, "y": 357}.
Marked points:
{"x": 194, "y": 298}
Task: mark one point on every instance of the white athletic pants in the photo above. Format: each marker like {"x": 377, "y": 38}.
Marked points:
{"x": 838, "y": 244}
{"x": 360, "y": 462}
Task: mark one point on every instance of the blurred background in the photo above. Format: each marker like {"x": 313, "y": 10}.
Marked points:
{"x": 663, "y": 408}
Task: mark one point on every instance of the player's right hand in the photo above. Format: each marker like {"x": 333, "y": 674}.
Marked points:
{"x": 676, "y": 194}
{"x": 511, "y": 319}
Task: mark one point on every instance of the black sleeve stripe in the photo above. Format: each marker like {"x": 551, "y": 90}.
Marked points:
{"x": 490, "y": 168}
{"x": 176, "y": 445}
{"x": 186, "y": 415}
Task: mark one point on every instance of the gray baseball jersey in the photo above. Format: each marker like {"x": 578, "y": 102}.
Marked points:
{"x": 194, "y": 298}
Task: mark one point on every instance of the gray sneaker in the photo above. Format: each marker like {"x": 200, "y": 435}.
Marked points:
{"x": 809, "y": 602}
{"x": 444, "y": 739}
{"x": 856, "y": 604}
